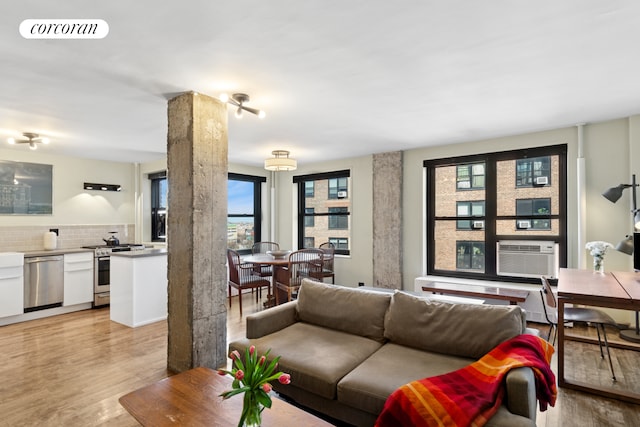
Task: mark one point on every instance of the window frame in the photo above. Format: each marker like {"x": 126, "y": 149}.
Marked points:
{"x": 471, "y": 217}
{"x": 491, "y": 217}
{"x": 257, "y": 205}
{"x": 337, "y": 219}
{"x": 337, "y": 188}
{"x": 155, "y": 179}
{"x": 531, "y": 172}
{"x": 300, "y": 180}
{"x": 471, "y": 175}
{"x": 534, "y": 217}
{"x": 471, "y": 244}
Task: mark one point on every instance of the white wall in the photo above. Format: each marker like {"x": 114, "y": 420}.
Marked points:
{"x": 71, "y": 203}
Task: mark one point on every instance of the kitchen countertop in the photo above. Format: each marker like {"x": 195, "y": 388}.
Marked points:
{"x": 43, "y": 252}
{"x": 141, "y": 253}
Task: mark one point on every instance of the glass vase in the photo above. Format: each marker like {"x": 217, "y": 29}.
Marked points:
{"x": 251, "y": 411}
{"x": 598, "y": 264}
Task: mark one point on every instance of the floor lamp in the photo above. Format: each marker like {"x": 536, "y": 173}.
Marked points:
{"x": 626, "y": 246}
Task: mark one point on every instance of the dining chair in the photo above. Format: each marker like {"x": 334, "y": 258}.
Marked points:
{"x": 263, "y": 248}
{"x": 328, "y": 251}
{"x": 302, "y": 263}
{"x": 242, "y": 276}
{"x": 575, "y": 314}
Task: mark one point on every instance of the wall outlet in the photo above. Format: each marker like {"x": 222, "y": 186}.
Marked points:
{"x": 55, "y": 230}
{"x": 360, "y": 283}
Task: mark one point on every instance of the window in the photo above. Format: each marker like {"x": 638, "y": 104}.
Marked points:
{"x": 467, "y": 209}
{"x": 159, "y": 206}
{"x": 339, "y": 242}
{"x": 309, "y": 242}
{"x": 338, "y": 222}
{"x": 243, "y": 211}
{"x": 533, "y": 207}
{"x": 309, "y": 189}
{"x": 470, "y": 256}
{"x": 530, "y": 172}
{"x": 325, "y": 213}
{"x": 243, "y": 206}
{"x": 470, "y": 177}
{"x": 309, "y": 219}
{"x": 337, "y": 188}
{"x": 473, "y": 202}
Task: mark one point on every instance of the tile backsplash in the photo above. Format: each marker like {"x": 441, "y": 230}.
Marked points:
{"x": 31, "y": 238}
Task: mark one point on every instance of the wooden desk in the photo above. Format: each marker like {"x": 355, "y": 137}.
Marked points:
{"x": 192, "y": 399}
{"x": 601, "y": 290}
{"x": 265, "y": 259}
{"x": 514, "y": 296}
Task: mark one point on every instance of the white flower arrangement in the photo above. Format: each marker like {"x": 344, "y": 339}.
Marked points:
{"x": 598, "y": 249}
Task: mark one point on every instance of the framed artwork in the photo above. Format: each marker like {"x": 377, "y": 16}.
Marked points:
{"x": 26, "y": 188}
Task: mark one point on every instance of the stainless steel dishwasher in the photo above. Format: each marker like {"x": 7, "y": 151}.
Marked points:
{"x": 43, "y": 282}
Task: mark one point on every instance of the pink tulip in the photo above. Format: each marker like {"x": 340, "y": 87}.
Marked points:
{"x": 266, "y": 387}
{"x": 285, "y": 379}
{"x": 262, "y": 360}
{"x": 239, "y": 375}
{"x": 221, "y": 372}
{"x": 252, "y": 350}
{"x": 234, "y": 355}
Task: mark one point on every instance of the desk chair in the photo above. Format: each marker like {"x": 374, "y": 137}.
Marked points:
{"x": 241, "y": 276}
{"x": 575, "y": 314}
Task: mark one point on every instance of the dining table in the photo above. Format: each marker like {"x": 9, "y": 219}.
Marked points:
{"x": 275, "y": 263}
{"x": 619, "y": 290}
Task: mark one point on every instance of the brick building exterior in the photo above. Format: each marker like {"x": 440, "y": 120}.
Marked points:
{"x": 448, "y": 234}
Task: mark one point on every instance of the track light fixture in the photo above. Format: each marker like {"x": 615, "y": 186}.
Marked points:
{"x": 32, "y": 140}
{"x": 238, "y": 100}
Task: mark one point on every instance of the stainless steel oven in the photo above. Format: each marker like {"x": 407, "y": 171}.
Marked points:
{"x": 101, "y": 281}
{"x": 102, "y": 270}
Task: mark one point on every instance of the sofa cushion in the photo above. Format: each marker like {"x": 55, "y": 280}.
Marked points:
{"x": 368, "y": 385}
{"x": 350, "y": 310}
{"x": 466, "y": 330}
{"x": 316, "y": 357}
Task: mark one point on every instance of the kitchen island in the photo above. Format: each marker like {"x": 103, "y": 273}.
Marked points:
{"x": 139, "y": 287}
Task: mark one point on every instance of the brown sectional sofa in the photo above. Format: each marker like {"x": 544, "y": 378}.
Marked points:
{"x": 348, "y": 349}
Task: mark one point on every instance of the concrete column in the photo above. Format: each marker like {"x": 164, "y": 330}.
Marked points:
{"x": 387, "y": 220}
{"x": 197, "y": 163}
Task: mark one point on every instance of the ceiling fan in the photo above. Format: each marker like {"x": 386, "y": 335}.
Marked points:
{"x": 238, "y": 100}
{"x": 32, "y": 140}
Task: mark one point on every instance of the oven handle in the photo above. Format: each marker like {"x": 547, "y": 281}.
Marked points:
{"x": 103, "y": 258}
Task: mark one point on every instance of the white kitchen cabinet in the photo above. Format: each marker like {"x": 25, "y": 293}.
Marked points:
{"x": 11, "y": 284}
{"x": 78, "y": 278}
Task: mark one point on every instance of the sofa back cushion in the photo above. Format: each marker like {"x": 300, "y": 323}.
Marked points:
{"x": 345, "y": 309}
{"x": 467, "y": 330}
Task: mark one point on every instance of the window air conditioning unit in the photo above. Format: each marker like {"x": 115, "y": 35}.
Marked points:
{"x": 342, "y": 194}
{"x": 527, "y": 258}
{"x": 523, "y": 224}
{"x": 477, "y": 225}
{"x": 542, "y": 180}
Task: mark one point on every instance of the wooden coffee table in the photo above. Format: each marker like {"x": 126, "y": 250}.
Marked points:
{"x": 191, "y": 398}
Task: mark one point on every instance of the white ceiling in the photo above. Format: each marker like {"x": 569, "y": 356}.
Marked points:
{"x": 336, "y": 78}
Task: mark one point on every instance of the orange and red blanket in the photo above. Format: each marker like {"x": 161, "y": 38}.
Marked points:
{"x": 471, "y": 396}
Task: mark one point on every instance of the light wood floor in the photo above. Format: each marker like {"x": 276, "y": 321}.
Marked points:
{"x": 70, "y": 370}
